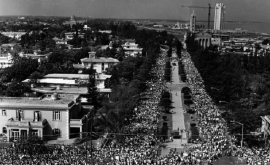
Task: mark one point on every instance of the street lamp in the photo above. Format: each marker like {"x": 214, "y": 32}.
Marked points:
{"x": 242, "y": 131}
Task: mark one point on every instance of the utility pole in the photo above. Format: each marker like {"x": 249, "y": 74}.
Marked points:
{"x": 91, "y": 138}
{"x": 85, "y": 150}
{"x": 242, "y": 136}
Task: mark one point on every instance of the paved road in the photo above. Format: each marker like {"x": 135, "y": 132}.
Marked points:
{"x": 177, "y": 122}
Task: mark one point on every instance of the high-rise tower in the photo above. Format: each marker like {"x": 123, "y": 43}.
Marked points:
{"x": 192, "y": 24}
{"x": 219, "y": 16}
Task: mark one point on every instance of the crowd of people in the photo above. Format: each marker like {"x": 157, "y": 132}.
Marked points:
{"x": 141, "y": 145}
{"x": 138, "y": 146}
{"x": 214, "y": 139}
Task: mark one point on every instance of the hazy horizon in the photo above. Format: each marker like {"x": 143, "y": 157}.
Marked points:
{"x": 236, "y": 10}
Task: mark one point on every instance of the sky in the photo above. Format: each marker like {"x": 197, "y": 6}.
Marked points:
{"x": 236, "y": 10}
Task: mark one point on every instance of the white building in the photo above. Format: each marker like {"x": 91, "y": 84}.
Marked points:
{"x": 70, "y": 35}
{"x": 50, "y": 117}
{"x": 180, "y": 26}
{"x": 16, "y": 35}
{"x": 219, "y": 16}
{"x": 5, "y": 61}
{"x": 59, "y": 41}
{"x": 39, "y": 57}
{"x": 105, "y": 31}
{"x": 192, "y": 24}
{"x": 100, "y": 64}
{"x": 131, "y": 48}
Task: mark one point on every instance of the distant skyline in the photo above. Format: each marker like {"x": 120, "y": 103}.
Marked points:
{"x": 236, "y": 10}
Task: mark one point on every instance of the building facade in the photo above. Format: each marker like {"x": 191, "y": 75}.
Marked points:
{"x": 131, "y": 48}
{"x": 5, "y": 60}
{"x": 100, "y": 64}
{"x": 50, "y": 117}
{"x": 60, "y": 81}
{"x": 204, "y": 39}
{"x": 219, "y": 16}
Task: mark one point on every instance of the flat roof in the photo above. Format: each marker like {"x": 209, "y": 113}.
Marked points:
{"x": 62, "y": 102}
{"x": 63, "y": 90}
{"x": 69, "y": 90}
{"x": 101, "y": 59}
{"x": 67, "y": 76}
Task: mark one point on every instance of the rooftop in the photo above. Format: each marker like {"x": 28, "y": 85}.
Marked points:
{"x": 9, "y": 45}
{"x": 69, "y": 90}
{"x": 67, "y": 76}
{"x": 45, "y": 102}
{"x": 68, "y": 79}
{"x": 101, "y": 59}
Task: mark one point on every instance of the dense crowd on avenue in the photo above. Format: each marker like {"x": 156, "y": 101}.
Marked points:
{"x": 215, "y": 142}
{"x": 140, "y": 145}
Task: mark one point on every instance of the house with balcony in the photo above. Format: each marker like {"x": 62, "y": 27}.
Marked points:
{"x": 100, "y": 64}
{"x": 51, "y": 116}
{"x": 131, "y": 48}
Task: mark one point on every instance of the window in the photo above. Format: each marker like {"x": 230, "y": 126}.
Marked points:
{"x": 56, "y": 132}
{"x": 4, "y": 130}
{"x": 102, "y": 66}
{"x": 56, "y": 115}
{"x": 34, "y": 132}
{"x": 19, "y": 115}
{"x": 4, "y": 112}
{"x": 37, "y": 116}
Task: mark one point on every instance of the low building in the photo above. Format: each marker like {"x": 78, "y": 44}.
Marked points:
{"x": 105, "y": 31}
{"x": 50, "y": 117}
{"x": 68, "y": 83}
{"x": 100, "y": 64}
{"x": 59, "y": 41}
{"x": 7, "y": 47}
{"x": 216, "y": 41}
{"x": 204, "y": 39}
{"x": 5, "y": 60}
{"x": 39, "y": 57}
{"x": 16, "y": 35}
{"x": 70, "y": 35}
{"x": 131, "y": 48}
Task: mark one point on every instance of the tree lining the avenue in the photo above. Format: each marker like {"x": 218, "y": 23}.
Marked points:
{"x": 239, "y": 85}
